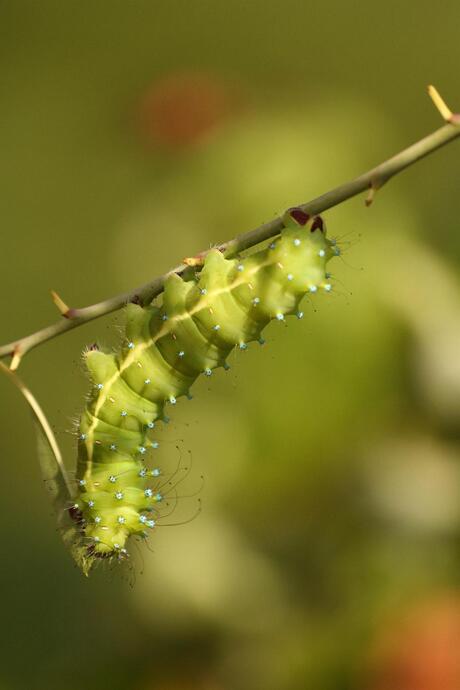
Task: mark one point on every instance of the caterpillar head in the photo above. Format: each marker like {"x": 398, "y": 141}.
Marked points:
{"x": 307, "y": 249}
{"x": 297, "y": 218}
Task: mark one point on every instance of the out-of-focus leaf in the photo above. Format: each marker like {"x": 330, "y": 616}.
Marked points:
{"x": 428, "y": 298}
{"x": 54, "y": 471}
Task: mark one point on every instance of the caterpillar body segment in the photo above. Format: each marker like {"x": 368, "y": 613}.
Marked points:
{"x": 165, "y": 349}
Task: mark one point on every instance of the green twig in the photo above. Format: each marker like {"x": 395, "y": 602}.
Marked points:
{"x": 370, "y": 181}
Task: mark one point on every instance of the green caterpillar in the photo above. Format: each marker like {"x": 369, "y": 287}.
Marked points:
{"x": 164, "y": 350}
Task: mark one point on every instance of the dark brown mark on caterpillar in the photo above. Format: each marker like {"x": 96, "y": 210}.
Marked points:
{"x": 317, "y": 224}
{"x": 299, "y": 216}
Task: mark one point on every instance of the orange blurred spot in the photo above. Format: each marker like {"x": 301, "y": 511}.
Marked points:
{"x": 181, "y": 110}
{"x": 421, "y": 652}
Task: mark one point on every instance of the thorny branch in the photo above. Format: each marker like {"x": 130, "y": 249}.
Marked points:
{"x": 370, "y": 181}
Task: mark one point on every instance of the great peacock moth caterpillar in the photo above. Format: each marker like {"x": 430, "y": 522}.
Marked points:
{"x": 165, "y": 348}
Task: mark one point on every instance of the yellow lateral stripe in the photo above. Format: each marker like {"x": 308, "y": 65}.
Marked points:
{"x": 166, "y": 328}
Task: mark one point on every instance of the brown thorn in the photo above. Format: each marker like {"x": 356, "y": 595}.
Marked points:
{"x": 370, "y": 197}
{"x": 16, "y": 359}
{"x": 373, "y": 189}
{"x": 64, "y": 309}
{"x": 441, "y": 105}
{"x": 194, "y": 260}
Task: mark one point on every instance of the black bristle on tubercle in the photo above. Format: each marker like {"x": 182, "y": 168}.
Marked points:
{"x": 76, "y": 515}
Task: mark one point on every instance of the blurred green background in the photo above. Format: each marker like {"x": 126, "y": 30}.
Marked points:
{"x": 326, "y": 556}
